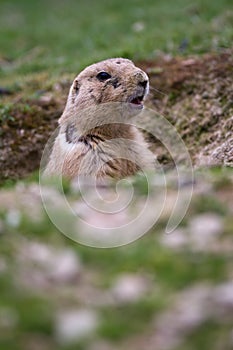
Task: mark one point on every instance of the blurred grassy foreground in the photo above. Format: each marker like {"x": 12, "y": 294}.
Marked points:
{"x": 162, "y": 292}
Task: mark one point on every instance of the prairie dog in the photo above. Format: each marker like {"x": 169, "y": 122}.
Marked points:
{"x": 95, "y": 136}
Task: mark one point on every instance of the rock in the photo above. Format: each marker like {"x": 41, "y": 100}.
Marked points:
{"x": 47, "y": 98}
{"x": 223, "y": 296}
{"x": 138, "y": 27}
{"x": 223, "y": 154}
{"x": 175, "y": 240}
{"x": 204, "y": 229}
{"x": 66, "y": 266}
{"x": 71, "y": 326}
{"x": 129, "y": 288}
{"x": 13, "y": 218}
{"x": 5, "y": 91}
{"x": 22, "y": 200}
{"x": 189, "y": 62}
{"x": 61, "y": 266}
{"x": 190, "y": 310}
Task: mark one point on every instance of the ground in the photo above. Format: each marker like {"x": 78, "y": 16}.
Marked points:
{"x": 163, "y": 291}
{"x": 193, "y": 93}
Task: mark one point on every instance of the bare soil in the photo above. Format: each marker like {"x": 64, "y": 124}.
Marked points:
{"x": 194, "y": 93}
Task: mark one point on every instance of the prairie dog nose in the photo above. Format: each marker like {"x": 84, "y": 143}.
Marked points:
{"x": 143, "y": 83}
{"x": 142, "y": 78}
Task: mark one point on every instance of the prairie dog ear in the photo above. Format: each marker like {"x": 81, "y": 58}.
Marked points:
{"x": 74, "y": 90}
{"x": 76, "y": 86}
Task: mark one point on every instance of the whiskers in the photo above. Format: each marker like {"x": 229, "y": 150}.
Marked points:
{"x": 163, "y": 93}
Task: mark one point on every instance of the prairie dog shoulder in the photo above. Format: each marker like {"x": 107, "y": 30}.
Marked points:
{"x": 96, "y": 134}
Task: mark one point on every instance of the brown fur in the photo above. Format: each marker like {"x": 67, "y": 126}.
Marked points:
{"x": 96, "y": 137}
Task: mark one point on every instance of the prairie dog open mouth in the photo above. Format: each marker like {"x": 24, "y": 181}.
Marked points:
{"x": 137, "y": 100}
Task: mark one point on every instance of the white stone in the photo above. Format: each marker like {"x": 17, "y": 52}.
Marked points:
{"x": 66, "y": 266}
{"x": 223, "y": 295}
{"x": 62, "y": 265}
{"x": 191, "y": 308}
{"x": 38, "y": 252}
{"x": 129, "y": 288}
{"x": 73, "y": 325}
{"x": 13, "y": 218}
{"x": 138, "y": 26}
{"x": 204, "y": 229}
{"x": 176, "y": 240}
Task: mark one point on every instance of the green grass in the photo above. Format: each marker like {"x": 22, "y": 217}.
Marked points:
{"x": 5, "y": 113}
{"x": 125, "y": 320}
{"x": 42, "y": 40}
{"x": 173, "y": 271}
{"x": 170, "y": 272}
{"x": 64, "y": 36}
{"x": 211, "y": 335}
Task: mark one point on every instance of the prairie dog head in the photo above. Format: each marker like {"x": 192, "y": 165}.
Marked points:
{"x": 112, "y": 80}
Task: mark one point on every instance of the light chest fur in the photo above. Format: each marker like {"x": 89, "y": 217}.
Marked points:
{"x": 96, "y": 137}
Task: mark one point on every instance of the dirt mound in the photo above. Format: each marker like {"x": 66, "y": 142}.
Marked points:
{"x": 195, "y": 94}
{"x": 24, "y": 130}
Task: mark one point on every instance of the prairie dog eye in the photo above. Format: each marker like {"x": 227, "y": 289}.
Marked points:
{"x": 102, "y": 76}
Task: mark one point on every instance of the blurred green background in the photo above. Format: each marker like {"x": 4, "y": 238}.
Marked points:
{"x": 64, "y": 36}
{"x": 182, "y": 286}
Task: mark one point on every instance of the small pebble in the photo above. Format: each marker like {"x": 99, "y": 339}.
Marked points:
{"x": 138, "y": 27}
{"x": 71, "y": 326}
{"x": 13, "y": 218}
{"x": 223, "y": 295}
{"x": 204, "y": 229}
{"x": 59, "y": 265}
{"x": 175, "y": 240}
{"x": 130, "y": 288}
